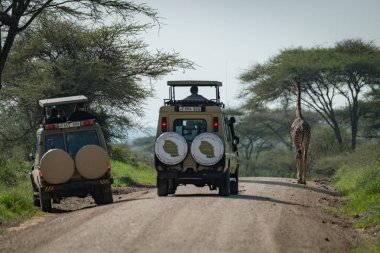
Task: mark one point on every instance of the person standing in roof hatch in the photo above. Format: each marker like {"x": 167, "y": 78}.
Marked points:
{"x": 194, "y": 95}
{"x": 80, "y": 113}
{"x": 53, "y": 117}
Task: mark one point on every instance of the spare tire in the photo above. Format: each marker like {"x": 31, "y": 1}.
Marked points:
{"x": 57, "y": 166}
{"x": 170, "y": 148}
{"x": 207, "y": 149}
{"x": 92, "y": 161}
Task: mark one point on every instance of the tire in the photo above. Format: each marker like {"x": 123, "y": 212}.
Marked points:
{"x": 103, "y": 195}
{"x": 171, "y": 148}
{"x": 162, "y": 187}
{"x": 172, "y": 187}
{"x": 207, "y": 149}
{"x": 234, "y": 184}
{"x": 224, "y": 184}
{"x": 36, "y": 201}
{"x": 45, "y": 201}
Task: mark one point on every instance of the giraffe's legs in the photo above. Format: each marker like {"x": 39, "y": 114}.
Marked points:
{"x": 305, "y": 146}
{"x": 299, "y": 169}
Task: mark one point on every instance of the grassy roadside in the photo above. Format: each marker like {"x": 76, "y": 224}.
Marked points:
{"x": 126, "y": 174}
{"x": 360, "y": 186}
{"x": 16, "y": 201}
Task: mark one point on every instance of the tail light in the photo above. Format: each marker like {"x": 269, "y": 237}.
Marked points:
{"x": 41, "y": 173}
{"x": 164, "y": 124}
{"x": 216, "y": 124}
{"x": 108, "y": 173}
{"x": 50, "y": 126}
{"x": 88, "y": 123}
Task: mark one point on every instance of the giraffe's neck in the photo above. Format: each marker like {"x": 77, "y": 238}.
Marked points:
{"x": 298, "y": 108}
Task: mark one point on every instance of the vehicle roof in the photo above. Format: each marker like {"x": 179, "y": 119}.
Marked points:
{"x": 194, "y": 82}
{"x": 63, "y": 100}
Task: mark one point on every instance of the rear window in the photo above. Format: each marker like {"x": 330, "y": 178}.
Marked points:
{"x": 190, "y": 128}
{"x": 76, "y": 140}
{"x": 54, "y": 141}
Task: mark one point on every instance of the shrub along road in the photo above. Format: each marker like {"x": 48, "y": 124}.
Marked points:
{"x": 268, "y": 215}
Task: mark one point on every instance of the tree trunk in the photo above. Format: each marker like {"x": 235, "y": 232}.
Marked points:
{"x": 5, "y": 50}
{"x": 355, "y": 115}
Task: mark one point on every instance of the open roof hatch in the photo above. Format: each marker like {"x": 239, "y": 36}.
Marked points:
{"x": 62, "y": 101}
{"x": 189, "y": 83}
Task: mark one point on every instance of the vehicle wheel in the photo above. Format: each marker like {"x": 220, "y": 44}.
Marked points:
{"x": 36, "y": 200}
{"x": 103, "y": 195}
{"x": 172, "y": 187}
{"x": 234, "y": 184}
{"x": 162, "y": 187}
{"x": 45, "y": 201}
{"x": 224, "y": 184}
{"x": 107, "y": 194}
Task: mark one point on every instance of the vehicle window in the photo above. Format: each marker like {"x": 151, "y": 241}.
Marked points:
{"x": 189, "y": 128}
{"x": 76, "y": 140}
{"x": 54, "y": 141}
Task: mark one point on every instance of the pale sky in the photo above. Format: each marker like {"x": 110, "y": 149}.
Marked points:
{"x": 224, "y": 38}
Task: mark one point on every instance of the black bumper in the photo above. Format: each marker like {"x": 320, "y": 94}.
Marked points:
{"x": 199, "y": 175}
{"x": 76, "y": 188}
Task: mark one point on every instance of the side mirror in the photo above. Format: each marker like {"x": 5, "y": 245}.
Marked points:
{"x": 235, "y": 141}
{"x": 232, "y": 120}
{"x": 30, "y": 157}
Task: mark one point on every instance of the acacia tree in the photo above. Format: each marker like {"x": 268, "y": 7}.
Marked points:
{"x": 263, "y": 129}
{"x": 17, "y": 15}
{"x": 61, "y": 58}
{"x": 326, "y": 73}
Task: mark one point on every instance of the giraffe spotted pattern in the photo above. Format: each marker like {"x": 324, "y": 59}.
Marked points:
{"x": 301, "y": 134}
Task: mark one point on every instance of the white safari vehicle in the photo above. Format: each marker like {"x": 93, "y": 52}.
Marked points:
{"x": 196, "y": 142}
{"x": 71, "y": 158}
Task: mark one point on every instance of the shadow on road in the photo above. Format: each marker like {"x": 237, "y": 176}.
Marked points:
{"x": 59, "y": 210}
{"x": 240, "y": 196}
{"x": 293, "y": 185}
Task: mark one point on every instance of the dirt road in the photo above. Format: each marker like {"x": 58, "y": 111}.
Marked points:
{"x": 269, "y": 215}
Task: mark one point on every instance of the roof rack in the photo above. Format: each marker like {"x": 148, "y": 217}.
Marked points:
{"x": 62, "y": 101}
{"x": 188, "y": 83}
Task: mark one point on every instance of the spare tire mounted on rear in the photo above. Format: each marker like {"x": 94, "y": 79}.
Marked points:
{"x": 171, "y": 148}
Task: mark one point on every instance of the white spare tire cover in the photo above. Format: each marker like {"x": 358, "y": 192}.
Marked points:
{"x": 57, "y": 166}
{"x": 207, "y": 149}
{"x": 170, "y": 148}
{"x": 91, "y": 161}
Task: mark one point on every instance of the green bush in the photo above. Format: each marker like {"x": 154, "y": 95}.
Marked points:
{"x": 326, "y": 166}
{"x": 277, "y": 162}
{"x": 361, "y": 185}
{"x": 127, "y": 175}
{"x": 120, "y": 152}
{"x": 16, "y": 203}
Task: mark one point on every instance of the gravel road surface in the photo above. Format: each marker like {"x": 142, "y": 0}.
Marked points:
{"x": 268, "y": 215}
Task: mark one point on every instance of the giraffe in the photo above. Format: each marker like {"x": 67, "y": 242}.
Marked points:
{"x": 300, "y": 132}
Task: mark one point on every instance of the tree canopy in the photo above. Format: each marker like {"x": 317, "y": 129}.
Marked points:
{"x": 329, "y": 75}
{"x": 56, "y": 58}
{"x": 17, "y": 15}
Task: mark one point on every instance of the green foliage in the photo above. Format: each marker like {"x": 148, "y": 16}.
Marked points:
{"x": 326, "y": 167}
{"x": 361, "y": 185}
{"x": 16, "y": 201}
{"x": 327, "y": 74}
{"x": 276, "y": 162}
{"x": 127, "y": 175}
{"x": 57, "y": 58}
{"x": 17, "y": 16}
{"x": 122, "y": 153}
{"x": 12, "y": 172}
